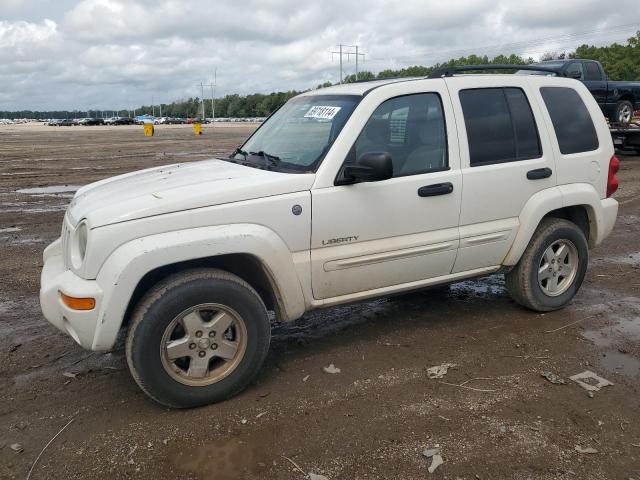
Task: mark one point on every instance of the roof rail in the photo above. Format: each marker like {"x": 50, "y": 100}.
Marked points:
{"x": 450, "y": 71}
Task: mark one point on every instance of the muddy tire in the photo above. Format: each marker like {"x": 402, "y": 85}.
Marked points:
{"x": 197, "y": 337}
{"x": 623, "y": 113}
{"x": 552, "y": 267}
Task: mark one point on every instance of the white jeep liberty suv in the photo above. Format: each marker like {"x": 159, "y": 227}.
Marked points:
{"x": 345, "y": 193}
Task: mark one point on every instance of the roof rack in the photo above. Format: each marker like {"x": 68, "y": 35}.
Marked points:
{"x": 450, "y": 71}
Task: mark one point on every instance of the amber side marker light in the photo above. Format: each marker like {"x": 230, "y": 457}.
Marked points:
{"x": 78, "y": 303}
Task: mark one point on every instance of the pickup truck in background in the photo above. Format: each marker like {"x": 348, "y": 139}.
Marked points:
{"x": 618, "y": 100}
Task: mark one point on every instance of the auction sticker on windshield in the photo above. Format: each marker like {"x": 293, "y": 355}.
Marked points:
{"x": 322, "y": 112}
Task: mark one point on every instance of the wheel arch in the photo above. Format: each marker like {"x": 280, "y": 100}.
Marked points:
{"x": 628, "y": 96}
{"x": 244, "y": 265}
{"x": 578, "y": 203}
{"x": 253, "y": 252}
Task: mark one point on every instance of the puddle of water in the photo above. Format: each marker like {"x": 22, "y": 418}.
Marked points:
{"x": 481, "y": 287}
{"x": 10, "y": 229}
{"x": 622, "y": 326}
{"x": 51, "y": 189}
{"x": 56, "y": 195}
{"x": 30, "y": 240}
{"x": 621, "y": 363}
{"x": 327, "y": 322}
{"x": 14, "y": 174}
{"x": 53, "y": 208}
{"x": 631, "y": 259}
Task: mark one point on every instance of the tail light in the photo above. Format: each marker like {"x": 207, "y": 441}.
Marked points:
{"x": 612, "y": 180}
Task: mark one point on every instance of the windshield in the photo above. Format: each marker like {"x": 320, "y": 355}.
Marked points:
{"x": 300, "y": 133}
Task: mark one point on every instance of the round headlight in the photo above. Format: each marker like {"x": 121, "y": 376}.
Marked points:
{"x": 79, "y": 244}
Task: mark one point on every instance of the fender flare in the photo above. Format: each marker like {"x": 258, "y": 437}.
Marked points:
{"x": 129, "y": 263}
{"x": 545, "y": 201}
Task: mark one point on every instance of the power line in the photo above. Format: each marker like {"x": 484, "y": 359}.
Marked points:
{"x": 521, "y": 45}
{"x": 348, "y": 50}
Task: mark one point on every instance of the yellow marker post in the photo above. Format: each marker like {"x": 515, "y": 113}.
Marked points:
{"x": 197, "y": 128}
{"x": 148, "y": 130}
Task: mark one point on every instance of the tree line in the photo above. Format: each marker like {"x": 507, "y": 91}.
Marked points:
{"x": 621, "y": 62}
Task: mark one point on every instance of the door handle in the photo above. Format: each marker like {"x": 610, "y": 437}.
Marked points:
{"x": 539, "y": 173}
{"x": 435, "y": 189}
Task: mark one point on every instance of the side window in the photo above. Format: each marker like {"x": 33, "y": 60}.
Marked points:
{"x": 592, "y": 71}
{"x": 576, "y": 67}
{"x": 500, "y": 126}
{"x": 571, "y": 120}
{"x": 411, "y": 128}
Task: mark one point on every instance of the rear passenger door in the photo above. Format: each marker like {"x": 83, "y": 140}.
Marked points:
{"x": 506, "y": 158}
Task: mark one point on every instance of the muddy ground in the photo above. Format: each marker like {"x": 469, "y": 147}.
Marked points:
{"x": 493, "y": 416}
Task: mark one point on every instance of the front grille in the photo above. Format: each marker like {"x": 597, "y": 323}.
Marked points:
{"x": 65, "y": 235}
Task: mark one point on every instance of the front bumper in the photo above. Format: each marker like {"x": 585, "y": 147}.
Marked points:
{"x": 55, "y": 278}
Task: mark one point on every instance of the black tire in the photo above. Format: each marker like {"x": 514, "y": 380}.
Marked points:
{"x": 168, "y": 299}
{"x": 623, "y": 112}
{"x": 522, "y": 281}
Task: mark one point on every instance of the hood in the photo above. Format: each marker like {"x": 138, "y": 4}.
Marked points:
{"x": 178, "y": 187}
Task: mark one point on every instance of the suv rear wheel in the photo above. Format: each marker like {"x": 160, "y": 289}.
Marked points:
{"x": 197, "y": 337}
{"x": 552, "y": 268}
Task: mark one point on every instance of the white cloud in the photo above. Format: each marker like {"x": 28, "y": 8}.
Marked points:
{"x": 21, "y": 35}
{"x": 118, "y": 53}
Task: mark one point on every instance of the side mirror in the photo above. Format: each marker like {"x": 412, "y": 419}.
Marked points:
{"x": 371, "y": 167}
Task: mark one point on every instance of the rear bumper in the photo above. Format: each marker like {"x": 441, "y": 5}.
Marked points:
{"x": 55, "y": 278}
{"x": 608, "y": 218}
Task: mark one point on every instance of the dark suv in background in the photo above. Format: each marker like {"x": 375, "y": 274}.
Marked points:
{"x": 91, "y": 121}
{"x": 618, "y": 100}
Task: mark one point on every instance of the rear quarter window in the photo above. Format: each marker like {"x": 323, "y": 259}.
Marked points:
{"x": 571, "y": 120}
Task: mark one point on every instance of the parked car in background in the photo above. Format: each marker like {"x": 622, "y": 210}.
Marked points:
{"x": 346, "y": 193}
{"x": 123, "y": 121}
{"x": 617, "y": 99}
{"x": 141, "y": 119}
{"x": 91, "y": 122}
{"x": 174, "y": 121}
{"x": 67, "y": 122}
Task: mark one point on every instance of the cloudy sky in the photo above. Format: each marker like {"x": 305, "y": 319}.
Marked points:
{"x": 102, "y": 54}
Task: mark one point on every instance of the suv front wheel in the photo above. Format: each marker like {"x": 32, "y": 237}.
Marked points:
{"x": 197, "y": 337}
{"x": 552, "y": 267}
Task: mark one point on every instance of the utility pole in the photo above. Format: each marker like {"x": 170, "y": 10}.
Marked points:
{"x": 153, "y": 107}
{"x": 202, "y": 100}
{"x": 340, "y": 64}
{"x": 348, "y": 51}
{"x": 160, "y": 105}
{"x": 213, "y": 96}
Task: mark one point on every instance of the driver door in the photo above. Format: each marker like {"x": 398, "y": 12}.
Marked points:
{"x": 398, "y": 232}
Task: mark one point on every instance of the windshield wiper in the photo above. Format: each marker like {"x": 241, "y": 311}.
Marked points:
{"x": 239, "y": 151}
{"x": 270, "y": 160}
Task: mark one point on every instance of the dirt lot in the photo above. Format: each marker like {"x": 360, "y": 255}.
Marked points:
{"x": 493, "y": 416}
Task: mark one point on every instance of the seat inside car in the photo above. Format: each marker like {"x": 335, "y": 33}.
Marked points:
{"x": 427, "y": 143}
